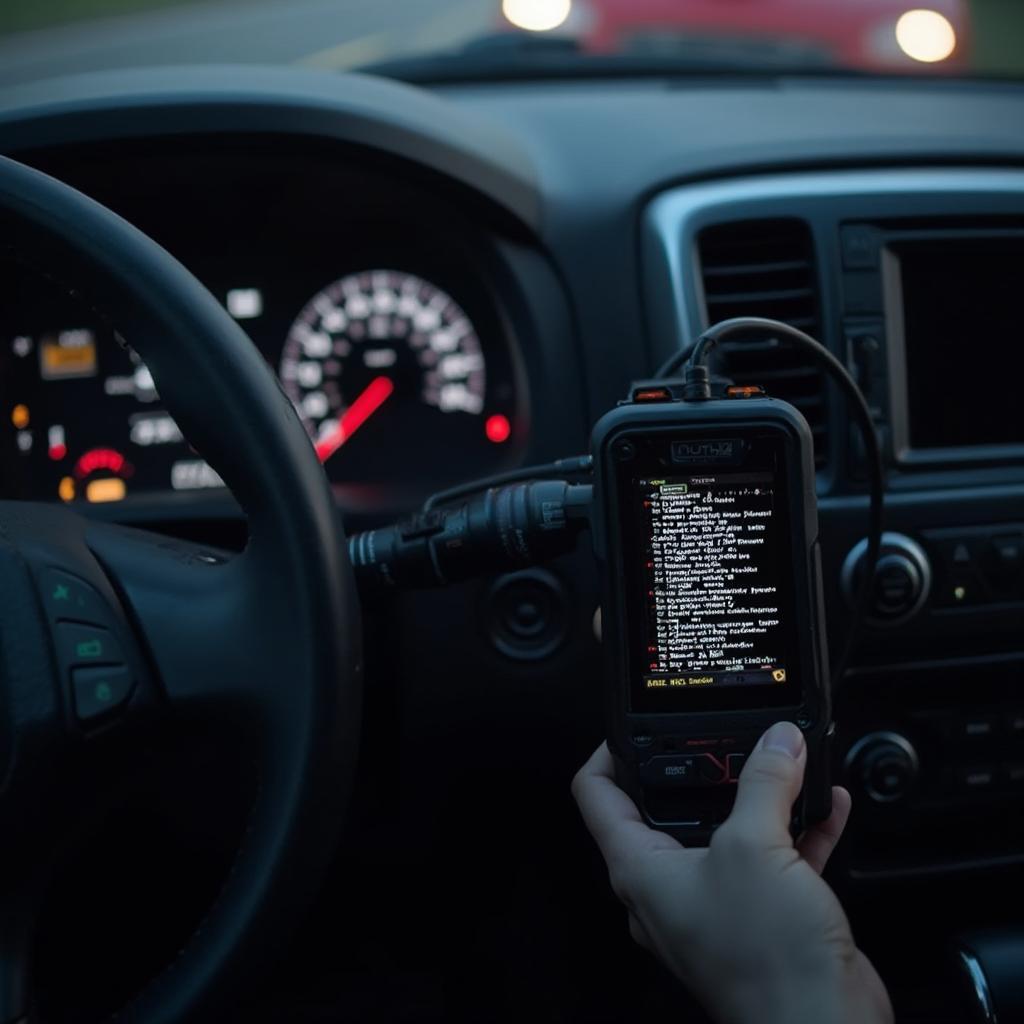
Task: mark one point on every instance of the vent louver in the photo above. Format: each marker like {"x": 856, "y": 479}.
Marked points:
{"x": 766, "y": 268}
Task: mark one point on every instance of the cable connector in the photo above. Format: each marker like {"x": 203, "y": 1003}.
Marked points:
{"x": 696, "y": 383}
{"x": 498, "y": 530}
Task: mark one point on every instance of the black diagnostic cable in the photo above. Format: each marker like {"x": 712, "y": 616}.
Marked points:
{"x": 503, "y": 528}
{"x": 674, "y": 363}
{"x": 697, "y": 387}
{"x": 560, "y": 467}
{"x": 508, "y": 521}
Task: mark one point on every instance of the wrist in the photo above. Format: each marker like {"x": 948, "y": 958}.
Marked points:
{"x": 825, "y": 997}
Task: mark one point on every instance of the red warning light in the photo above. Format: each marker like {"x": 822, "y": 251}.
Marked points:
{"x": 101, "y": 458}
{"x": 497, "y": 428}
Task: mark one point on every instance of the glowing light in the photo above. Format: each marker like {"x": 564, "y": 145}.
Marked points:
{"x": 536, "y": 15}
{"x": 498, "y": 429}
{"x": 926, "y": 36}
{"x": 959, "y": 593}
{"x": 56, "y": 445}
{"x": 245, "y": 303}
{"x": 68, "y": 354}
{"x": 108, "y": 489}
{"x": 20, "y": 416}
{"x": 100, "y": 458}
{"x": 66, "y": 488}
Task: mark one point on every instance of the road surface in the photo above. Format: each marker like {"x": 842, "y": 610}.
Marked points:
{"x": 325, "y": 34}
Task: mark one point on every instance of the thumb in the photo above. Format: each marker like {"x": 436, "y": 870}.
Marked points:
{"x": 768, "y": 787}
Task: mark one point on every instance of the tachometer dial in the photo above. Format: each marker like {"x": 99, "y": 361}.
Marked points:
{"x": 389, "y": 377}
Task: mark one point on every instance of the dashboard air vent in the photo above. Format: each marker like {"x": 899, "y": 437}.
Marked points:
{"x": 766, "y": 268}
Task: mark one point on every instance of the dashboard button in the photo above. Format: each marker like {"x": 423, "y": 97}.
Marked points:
{"x": 860, "y": 246}
{"x": 979, "y": 727}
{"x": 86, "y": 645}
{"x": 100, "y": 690}
{"x": 896, "y": 587}
{"x": 885, "y": 764}
{"x": 978, "y": 776}
{"x": 68, "y": 597}
{"x": 901, "y": 583}
{"x": 963, "y": 588}
{"x": 1013, "y": 772}
{"x": 889, "y": 776}
{"x": 1005, "y": 558}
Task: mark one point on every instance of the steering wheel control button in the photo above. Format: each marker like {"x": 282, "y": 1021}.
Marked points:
{"x": 98, "y": 691}
{"x": 69, "y": 598}
{"x": 86, "y": 645}
{"x": 673, "y": 770}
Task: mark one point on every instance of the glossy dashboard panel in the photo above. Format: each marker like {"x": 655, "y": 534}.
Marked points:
{"x": 379, "y": 307}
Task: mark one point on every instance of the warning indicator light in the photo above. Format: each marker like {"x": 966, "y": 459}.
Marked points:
{"x": 498, "y": 429}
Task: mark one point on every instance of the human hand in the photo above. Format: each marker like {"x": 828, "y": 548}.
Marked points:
{"x": 748, "y": 924}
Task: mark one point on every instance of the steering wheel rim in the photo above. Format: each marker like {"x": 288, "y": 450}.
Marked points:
{"x": 273, "y": 633}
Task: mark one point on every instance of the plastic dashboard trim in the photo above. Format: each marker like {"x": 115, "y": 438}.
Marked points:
{"x": 358, "y": 109}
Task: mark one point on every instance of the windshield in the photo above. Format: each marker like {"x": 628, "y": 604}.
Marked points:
{"x": 439, "y": 39}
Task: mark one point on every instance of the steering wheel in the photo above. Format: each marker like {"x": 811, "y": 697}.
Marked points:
{"x": 103, "y": 628}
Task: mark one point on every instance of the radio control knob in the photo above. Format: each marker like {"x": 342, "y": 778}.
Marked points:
{"x": 903, "y": 579}
{"x": 883, "y": 765}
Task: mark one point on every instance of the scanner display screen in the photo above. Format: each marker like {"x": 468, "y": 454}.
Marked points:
{"x": 710, "y": 556}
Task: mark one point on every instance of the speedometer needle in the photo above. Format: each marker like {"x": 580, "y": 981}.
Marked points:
{"x": 370, "y": 399}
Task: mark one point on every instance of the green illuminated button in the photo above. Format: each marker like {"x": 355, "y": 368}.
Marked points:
{"x": 78, "y": 644}
{"x": 99, "y": 690}
{"x": 69, "y": 598}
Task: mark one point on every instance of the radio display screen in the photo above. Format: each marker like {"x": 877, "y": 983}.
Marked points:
{"x": 960, "y": 322}
{"x": 710, "y": 557}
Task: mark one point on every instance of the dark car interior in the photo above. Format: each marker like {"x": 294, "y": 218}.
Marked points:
{"x": 385, "y": 771}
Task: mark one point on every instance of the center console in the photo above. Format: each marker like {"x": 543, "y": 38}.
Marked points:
{"x": 912, "y": 278}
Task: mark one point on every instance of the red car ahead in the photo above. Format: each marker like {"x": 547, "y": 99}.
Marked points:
{"x": 872, "y": 35}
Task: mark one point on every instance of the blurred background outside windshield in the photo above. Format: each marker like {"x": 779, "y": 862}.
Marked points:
{"x": 43, "y": 38}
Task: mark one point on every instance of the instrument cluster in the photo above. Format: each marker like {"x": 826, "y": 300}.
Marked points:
{"x": 404, "y": 384}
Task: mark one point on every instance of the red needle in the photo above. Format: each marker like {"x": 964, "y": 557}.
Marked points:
{"x": 369, "y": 401}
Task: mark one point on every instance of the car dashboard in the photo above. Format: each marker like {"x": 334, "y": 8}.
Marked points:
{"x": 534, "y": 247}
{"x": 342, "y": 279}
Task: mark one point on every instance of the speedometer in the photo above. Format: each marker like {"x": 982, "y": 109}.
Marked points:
{"x": 390, "y": 378}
